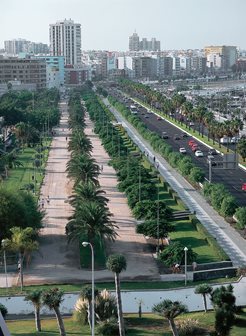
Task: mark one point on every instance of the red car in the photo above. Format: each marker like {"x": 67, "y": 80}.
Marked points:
{"x": 191, "y": 143}
{"x": 195, "y": 148}
{"x": 244, "y": 187}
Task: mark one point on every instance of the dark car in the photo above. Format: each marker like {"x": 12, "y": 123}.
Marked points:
{"x": 184, "y": 135}
{"x": 212, "y": 151}
{"x": 176, "y": 137}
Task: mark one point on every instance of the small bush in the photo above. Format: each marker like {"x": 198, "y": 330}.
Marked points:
{"x": 3, "y": 310}
{"x": 109, "y": 327}
{"x": 189, "y": 327}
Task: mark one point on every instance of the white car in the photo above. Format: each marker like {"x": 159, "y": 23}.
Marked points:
{"x": 182, "y": 150}
{"x": 199, "y": 153}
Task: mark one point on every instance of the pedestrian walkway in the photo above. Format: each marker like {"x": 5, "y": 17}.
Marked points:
{"x": 58, "y": 262}
{"x": 228, "y": 238}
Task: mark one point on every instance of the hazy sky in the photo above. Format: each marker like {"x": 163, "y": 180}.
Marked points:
{"x": 107, "y": 24}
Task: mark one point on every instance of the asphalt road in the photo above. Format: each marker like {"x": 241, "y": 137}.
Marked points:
{"x": 231, "y": 178}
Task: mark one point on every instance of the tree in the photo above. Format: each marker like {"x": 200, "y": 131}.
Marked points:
{"x": 228, "y": 206}
{"x": 52, "y": 298}
{"x": 204, "y": 290}
{"x": 223, "y": 301}
{"x": 23, "y": 242}
{"x": 241, "y": 147}
{"x": 35, "y": 298}
{"x": 92, "y": 220}
{"x": 240, "y": 215}
{"x": 197, "y": 175}
{"x": 147, "y": 209}
{"x": 3, "y": 310}
{"x": 116, "y": 263}
{"x": 79, "y": 143}
{"x": 170, "y": 310}
{"x": 149, "y": 228}
{"x": 174, "y": 253}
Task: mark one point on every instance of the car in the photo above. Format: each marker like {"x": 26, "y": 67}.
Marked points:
{"x": 164, "y": 135}
{"x": 176, "y": 137}
{"x": 212, "y": 151}
{"x": 159, "y": 118}
{"x": 244, "y": 187}
{"x": 198, "y": 153}
{"x": 191, "y": 123}
{"x": 195, "y": 148}
{"x": 146, "y": 116}
{"x": 191, "y": 143}
{"x": 184, "y": 135}
{"x": 149, "y": 112}
{"x": 182, "y": 150}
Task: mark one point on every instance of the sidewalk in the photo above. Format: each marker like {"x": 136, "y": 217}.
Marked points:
{"x": 233, "y": 244}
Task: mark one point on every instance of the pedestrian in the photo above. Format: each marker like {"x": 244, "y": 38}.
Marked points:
{"x": 48, "y": 199}
{"x": 101, "y": 168}
{"x": 154, "y": 158}
{"x": 66, "y": 138}
{"x": 194, "y": 266}
{"x": 42, "y": 202}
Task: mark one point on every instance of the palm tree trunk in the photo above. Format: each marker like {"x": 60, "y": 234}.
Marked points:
{"x": 60, "y": 322}
{"x": 205, "y": 302}
{"x": 119, "y": 306}
{"x": 173, "y": 327}
{"x": 21, "y": 270}
{"x": 37, "y": 318}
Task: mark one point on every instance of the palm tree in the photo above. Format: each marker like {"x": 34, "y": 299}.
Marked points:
{"x": 52, "y": 298}
{"x": 116, "y": 263}
{"x": 79, "y": 142}
{"x": 92, "y": 220}
{"x": 22, "y": 241}
{"x": 170, "y": 310}
{"x": 87, "y": 191}
{"x": 204, "y": 290}
{"x": 83, "y": 168}
{"x": 35, "y": 298}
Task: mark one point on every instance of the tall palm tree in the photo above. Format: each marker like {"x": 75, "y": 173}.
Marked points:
{"x": 116, "y": 263}
{"x": 170, "y": 310}
{"x": 204, "y": 290}
{"x": 83, "y": 168}
{"x": 92, "y": 220}
{"x": 79, "y": 142}
{"x": 87, "y": 191}
{"x": 35, "y": 298}
{"x": 52, "y": 298}
{"x": 23, "y": 242}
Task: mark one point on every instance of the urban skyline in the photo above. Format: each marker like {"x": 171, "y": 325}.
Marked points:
{"x": 177, "y": 25}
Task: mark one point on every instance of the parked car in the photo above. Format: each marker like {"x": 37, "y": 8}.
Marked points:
{"x": 191, "y": 123}
{"x": 244, "y": 187}
{"x": 176, "y": 137}
{"x": 159, "y": 118}
{"x": 182, "y": 150}
{"x": 198, "y": 153}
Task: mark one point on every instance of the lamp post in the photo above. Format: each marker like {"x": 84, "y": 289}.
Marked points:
{"x": 5, "y": 263}
{"x": 158, "y": 221}
{"x": 185, "y": 251}
{"x": 85, "y": 244}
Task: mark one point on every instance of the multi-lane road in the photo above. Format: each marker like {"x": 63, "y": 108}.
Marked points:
{"x": 231, "y": 178}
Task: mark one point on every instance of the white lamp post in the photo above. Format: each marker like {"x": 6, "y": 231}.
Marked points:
{"x": 85, "y": 244}
{"x": 5, "y": 263}
{"x": 185, "y": 251}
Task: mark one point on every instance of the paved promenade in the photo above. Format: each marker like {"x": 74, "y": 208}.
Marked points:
{"x": 56, "y": 261}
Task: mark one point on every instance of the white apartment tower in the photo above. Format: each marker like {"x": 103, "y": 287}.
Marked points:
{"x": 65, "y": 40}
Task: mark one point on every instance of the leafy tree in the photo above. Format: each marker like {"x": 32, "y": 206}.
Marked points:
{"x": 241, "y": 147}
{"x": 204, "y": 290}
{"x": 170, "y": 310}
{"x": 35, "y": 298}
{"x": 148, "y": 209}
{"x": 149, "y": 228}
{"x": 174, "y": 253}
{"x": 223, "y": 301}
{"x": 197, "y": 175}
{"x": 228, "y": 206}
{"x": 240, "y": 214}
{"x": 116, "y": 263}
{"x": 52, "y": 298}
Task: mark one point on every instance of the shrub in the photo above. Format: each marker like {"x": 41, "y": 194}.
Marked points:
{"x": 240, "y": 215}
{"x": 197, "y": 175}
{"x": 189, "y": 327}
{"x": 109, "y": 327}
{"x": 228, "y": 206}
{"x": 3, "y": 310}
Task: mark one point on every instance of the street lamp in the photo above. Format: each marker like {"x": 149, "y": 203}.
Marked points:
{"x": 158, "y": 221}
{"x": 4, "y": 241}
{"x": 85, "y": 244}
{"x": 185, "y": 251}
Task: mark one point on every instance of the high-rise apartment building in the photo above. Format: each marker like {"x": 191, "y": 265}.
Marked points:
{"x": 134, "y": 42}
{"x": 16, "y": 46}
{"x": 226, "y": 54}
{"x": 65, "y": 40}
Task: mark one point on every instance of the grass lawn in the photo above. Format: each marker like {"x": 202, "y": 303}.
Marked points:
{"x": 151, "y": 285}
{"x": 149, "y": 325}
